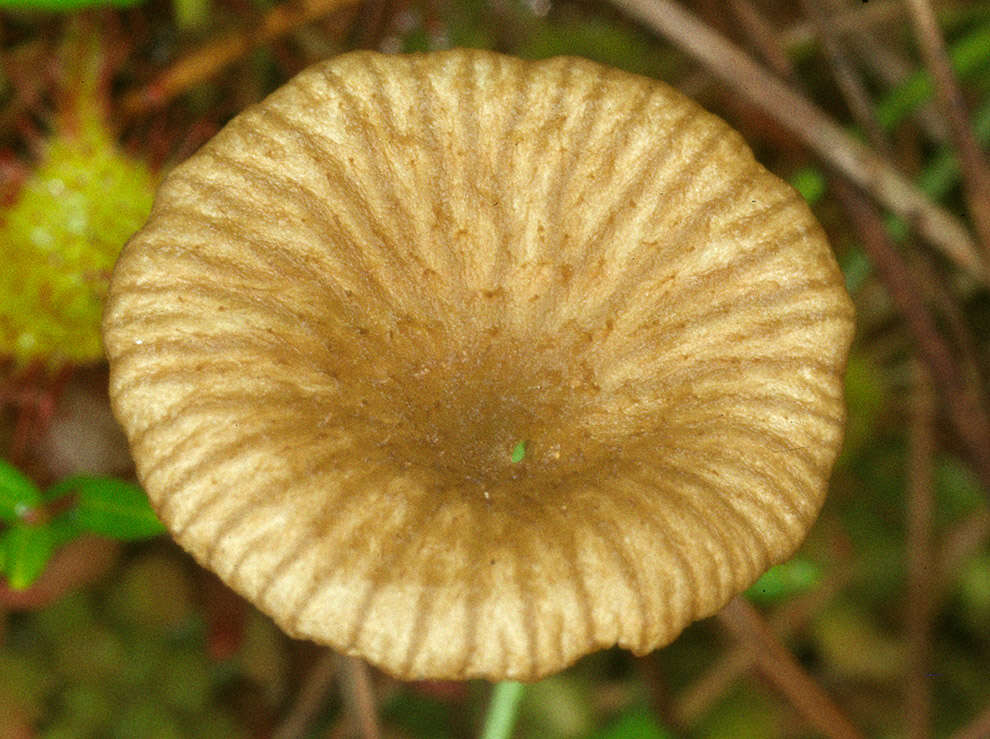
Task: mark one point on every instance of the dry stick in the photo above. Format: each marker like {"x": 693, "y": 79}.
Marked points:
{"x": 920, "y": 566}
{"x": 946, "y": 305}
{"x": 978, "y": 729}
{"x": 692, "y": 702}
{"x": 359, "y": 695}
{"x": 780, "y": 668}
{"x": 208, "y": 60}
{"x": 812, "y": 126}
{"x": 862, "y": 18}
{"x": 885, "y": 63}
{"x": 765, "y": 36}
{"x": 966, "y": 410}
{"x": 310, "y": 700}
{"x": 849, "y": 83}
{"x": 965, "y": 396}
{"x": 658, "y": 691}
{"x": 695, "y": 700}
{"x": 976, "y": 175}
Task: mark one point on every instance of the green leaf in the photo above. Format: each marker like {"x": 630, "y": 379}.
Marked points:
{"x": 109, "y": 507}
{"x": 784, "y": 581}
{"x": 958, "y": 492}
{"x": 64, "y": 5}
{"x": 27, "y": 550}
{"x": 17, "y": 493}
{"x": 968, "y": 55}
{"x": 634, "y": 723}
{"x": 810, "y": 182}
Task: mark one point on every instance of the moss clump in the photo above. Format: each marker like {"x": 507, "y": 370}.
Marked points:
{"x": 60, "y": 240}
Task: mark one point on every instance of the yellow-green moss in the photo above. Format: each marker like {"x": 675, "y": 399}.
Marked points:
{"x": 60, "y": 240}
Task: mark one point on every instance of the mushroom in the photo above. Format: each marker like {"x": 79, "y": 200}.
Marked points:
{"x": 469, "y": 365}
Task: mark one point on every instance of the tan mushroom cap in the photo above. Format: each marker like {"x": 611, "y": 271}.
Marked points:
{"x": 349, "y": 308}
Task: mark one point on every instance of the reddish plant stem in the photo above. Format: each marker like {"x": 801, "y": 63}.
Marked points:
{"x": 310, "y": 699}
{"x": 863, "y": 17}
{"x": 359, "y": 695}
{"x": 963, "y": 397}
{"x": 965, "y": 407}
{"x": 692, "y": 702}
{"x": 779, "y": 667}
{"x": 976, "y": 175}
{"x": 920, "y": 559}
{"x": 208, "y": 60}
{"x": 811, "y": 125}
{"x": 979, "y": 728}
{"x": 848, "y": 80}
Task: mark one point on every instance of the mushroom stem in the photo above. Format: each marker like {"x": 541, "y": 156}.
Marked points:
{"x": 503, "y": 709}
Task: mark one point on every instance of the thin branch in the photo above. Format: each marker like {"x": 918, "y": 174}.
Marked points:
{"x": 812, "y": 126}
{"x": 694, "y": 700}
{"x": 870, "y": 45}
{"x": 966, "y": 409}
{"x": 979, "y": 728}
{"x": 359, "y": 695}
{"x": 765, "y": 36}
{"x": 976, "y": 175}
{"x": 207, "y": 61}
{"x": 920, "y": 566}
{"x": 779, "y": 667}
{"x": 310, "y": 700}
{"x": 698, "y": 697}
{"x": 946, "y": 305}
{"x": 853, "y": 91}
{"x": 861, "y": 18}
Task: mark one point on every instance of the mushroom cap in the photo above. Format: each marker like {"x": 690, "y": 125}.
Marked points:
{"x": 353, "y": 304}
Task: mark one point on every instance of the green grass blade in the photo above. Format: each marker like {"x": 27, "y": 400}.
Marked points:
{"x": 18, "y": 493}
{"x": 109, "y": 507}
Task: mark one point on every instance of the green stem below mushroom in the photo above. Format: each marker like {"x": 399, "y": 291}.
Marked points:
{"x": 503, "y": 710}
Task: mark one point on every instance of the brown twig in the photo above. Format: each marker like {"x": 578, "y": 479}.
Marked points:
{"x": 920, "y": 566}
{"x": 966, "y": 409}
{"x": 697, "y": 698}
{"x": 979, "y": 728}
{"x": 848, "y": 80}
{"x": 976, "y": 175}
{"x": 894, "y": 69}
{"x": 360, "y": 696}
{"x": 692, "y": 702}
{"x": 812, "y": 126}
{"x": 779, "y": 667}
{"x": 208, "y": 60}
{"x": 946, "y": 305}
{"x": 657, "y": 689}
{"x": 962, "y": 396}
{"x": 310, "y": 699}
{"x": 860, "y": 18}
{"x": 766, "y": 37}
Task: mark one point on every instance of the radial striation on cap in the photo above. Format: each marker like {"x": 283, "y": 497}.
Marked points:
{"x": 470, "y": 365}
